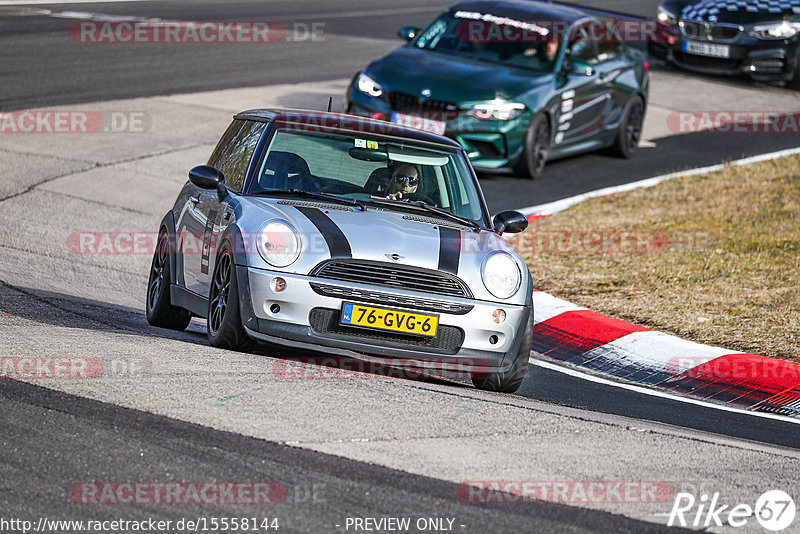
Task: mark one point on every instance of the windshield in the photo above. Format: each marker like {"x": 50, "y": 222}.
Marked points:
{"x": 369, "y": 169}
{"x": 492, "y": 38}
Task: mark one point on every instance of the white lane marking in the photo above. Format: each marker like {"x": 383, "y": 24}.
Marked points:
{"x": 101, "y": 17}
{"x": 115, "y": 18}
{"x": 560, "y": 205}
{"x": 57, "y": 2}
{"x": 362, "y": 13}
{"x": 656, "y": 392}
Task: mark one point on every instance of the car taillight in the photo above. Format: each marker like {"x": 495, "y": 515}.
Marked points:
{"x": 647, "y": 66}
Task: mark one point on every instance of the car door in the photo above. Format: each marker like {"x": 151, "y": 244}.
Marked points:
{"x": 616, "y": 68}
{"x": 585, "y": 97}
{"x": 204, "y": 212}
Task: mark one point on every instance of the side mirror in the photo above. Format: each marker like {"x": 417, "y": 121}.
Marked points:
{"x": 208, "y": 177}
{"x": 577, "y": 68}
{"x": 408, "y": 32}
{"x": 512, "y": 222}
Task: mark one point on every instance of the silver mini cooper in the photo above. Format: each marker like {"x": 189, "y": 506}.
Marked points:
{"x": 359, "y": 238}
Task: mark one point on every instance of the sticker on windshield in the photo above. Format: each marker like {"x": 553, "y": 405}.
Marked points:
{"x": 361, "y": 143}
{"x": 502, "y": 21}
{"x": 372, "y": 144}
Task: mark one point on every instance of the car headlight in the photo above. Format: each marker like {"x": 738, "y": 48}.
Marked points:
{"x": 775, "y": 31}
{"x": 504, "y": 111}
{"x": 666, "y": 17}
{"x": 368, "y": 86}
{"x": 278, "y": 243}
{"x": 501, "y": 275}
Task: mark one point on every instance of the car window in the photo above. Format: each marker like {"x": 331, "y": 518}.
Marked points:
{"x": 235, "y": 149}
{"x": 582, "y": 47}
{"x": 334, "y": 163}
{"x": 608, "y": 50}
{"x": 497, "y": 39}
{"x": 315, "y": 156}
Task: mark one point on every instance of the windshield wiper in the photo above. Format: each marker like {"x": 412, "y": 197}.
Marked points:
{"x": 312, "y": 194}
{"x": 418, "y": 204}
{"x": 446, "y": 214}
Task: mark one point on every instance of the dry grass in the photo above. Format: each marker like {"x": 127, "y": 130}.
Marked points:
{"x": 729, "y": 276}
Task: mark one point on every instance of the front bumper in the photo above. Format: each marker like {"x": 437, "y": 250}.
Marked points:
{"x": 490, "y": 145}
{"x": 308, "y": 319}
{"x": 760, "y": 60}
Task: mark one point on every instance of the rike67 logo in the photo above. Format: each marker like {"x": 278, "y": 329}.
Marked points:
{"x": 774, "y": 510}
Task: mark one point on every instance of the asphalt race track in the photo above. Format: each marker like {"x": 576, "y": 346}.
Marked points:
{"x": 343, "y": 446}
{"x": 40, "y": 69}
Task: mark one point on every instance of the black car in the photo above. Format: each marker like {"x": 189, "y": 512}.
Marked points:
{"x": 759, "y": 38}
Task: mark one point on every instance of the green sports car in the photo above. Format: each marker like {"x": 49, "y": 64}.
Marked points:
{"x": 516, "y": 83}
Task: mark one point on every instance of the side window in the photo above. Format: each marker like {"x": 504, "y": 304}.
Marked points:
{"x": 608, "y": 50}
{"x": 582, "y": 47}
{"x": 235, "y": 149}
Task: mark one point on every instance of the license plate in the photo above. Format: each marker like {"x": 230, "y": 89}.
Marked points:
{"x": 707, "y": 49}
{"x": 420, "y": 122}
{"x": 387, "y": 319}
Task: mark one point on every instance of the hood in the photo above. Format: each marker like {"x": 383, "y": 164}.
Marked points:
{"x": 328, "y": 231}
{"x": 456, "y": 79}
{"x": 743, "y": 12}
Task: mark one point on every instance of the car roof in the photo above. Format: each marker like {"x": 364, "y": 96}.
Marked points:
{"x": 523, "y": 9}
{"x": 345, "y": 123}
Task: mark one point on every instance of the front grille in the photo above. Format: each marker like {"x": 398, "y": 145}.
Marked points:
{"x": 388, "y": 299}
{"x": 720, "y": 33}
{"x": 487, "y": 150}
{"x": 405, "y": 102}
{"x": 392, "y": 275}
{"x": 325, "y": 321}
{"x": 771, "y": 66}
{"x": 714, "y": 64}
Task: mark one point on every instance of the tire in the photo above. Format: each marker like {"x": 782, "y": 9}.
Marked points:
{"x": 224, "y": 321}
{"x": 630, "y": 129}
{"x": 159, "y": 309}
{"x": 537, "y": 148}
{"x": 511, "y": 380}
{"x": 795, "y": 81}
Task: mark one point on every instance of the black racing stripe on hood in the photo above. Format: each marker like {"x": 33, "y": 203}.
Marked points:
{"x": 333, "y": 235}
{"x": 449, "y": 249}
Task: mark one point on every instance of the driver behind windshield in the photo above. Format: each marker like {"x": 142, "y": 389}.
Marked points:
{"x": 403, "y": 183}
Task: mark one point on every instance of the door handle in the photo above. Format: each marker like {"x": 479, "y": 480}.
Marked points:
{"x": 195, "y": 200}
